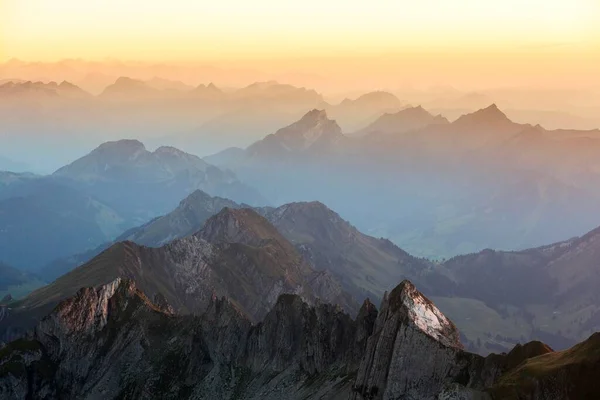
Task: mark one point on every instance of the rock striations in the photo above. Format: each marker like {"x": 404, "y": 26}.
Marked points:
{"x": 113, "y": 342}
{"x": 238, "y": 254}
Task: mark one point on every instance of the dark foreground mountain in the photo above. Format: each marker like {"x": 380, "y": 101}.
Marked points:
{"x": 237, "y": 254}
{"x": 113, "y": 342}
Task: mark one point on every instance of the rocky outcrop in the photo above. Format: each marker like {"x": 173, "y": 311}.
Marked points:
{"x": 238, "y": 254}
{"x": 411, "y": 352}
{"x": 415, "y": 352}
{"x": 113, "y": 342}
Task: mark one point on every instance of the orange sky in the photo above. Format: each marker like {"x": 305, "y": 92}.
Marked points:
{"x": 481, "y": 42}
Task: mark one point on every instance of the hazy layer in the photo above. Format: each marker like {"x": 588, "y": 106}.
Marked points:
{"x": 332, "y": 46}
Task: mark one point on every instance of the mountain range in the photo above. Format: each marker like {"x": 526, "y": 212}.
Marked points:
{"x": 497, "y": 298}
{"x": 276, "y": 267}
{"x": 202, "y": 119}
{"x": 109, "y": 341}
{"x": 237, "y": 254}
{"x": 447, "y": 182}
{"x": 118, "y": 186}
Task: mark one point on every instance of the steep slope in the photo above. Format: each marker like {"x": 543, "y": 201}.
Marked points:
{"x": 314, "y": 133}
{"x": 124, "y": 174}
{"x": 217, "y": 355}
{"x": 366, "y": 266}
{"x": 110, "y": 341}
{"x": 237, "y": 254}
{"x": 188, "y": 218}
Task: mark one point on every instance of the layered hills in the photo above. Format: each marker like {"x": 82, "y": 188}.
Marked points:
{"x": 237, "y": 254}
{"x": 446, "y": 182}
{"x": 497, "y": 298}
{"x": 118, "y": 186}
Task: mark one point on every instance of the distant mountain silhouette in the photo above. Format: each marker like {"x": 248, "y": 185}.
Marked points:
{"x": 124, "y": 172}
{"x": 406, "y": 120}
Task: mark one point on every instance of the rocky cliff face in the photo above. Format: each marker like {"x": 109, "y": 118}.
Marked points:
{"x": 415, "y": 353}
{"x": 238, "y": 254}
{"x": 113, "y": 342}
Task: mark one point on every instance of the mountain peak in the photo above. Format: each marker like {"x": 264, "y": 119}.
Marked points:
{"x": 313, "y": 131}
{"x": 420, "y": 312}
{"x": 489, "y": 116}
{"x": 408, "y": 119}
{"x": 123, "y": 145}
{"x": 239, "y": 226}
{"x": 313, "y": 126}
{"x": 197, "y": 196}
{"x": 315, "y": 115}
{"x": 170, "y": 150}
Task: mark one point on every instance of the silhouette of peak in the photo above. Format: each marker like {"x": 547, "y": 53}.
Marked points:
{"x": 489, "y": 115}
{"x": 123, "y": 145}
{"x": 315, "y": 115}
{"x": 377, "y": 98}
{"x": 124, "y": 82}
{"x": 239, "y": 226}
{"x": 418, "y": 311}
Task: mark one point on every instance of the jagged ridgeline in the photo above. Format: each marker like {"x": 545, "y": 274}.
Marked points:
{"x": 113, "y": 342}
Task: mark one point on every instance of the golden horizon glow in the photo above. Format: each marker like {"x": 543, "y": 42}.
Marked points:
{"x": 46, "y": 30}
{"x": 478, "y": 40}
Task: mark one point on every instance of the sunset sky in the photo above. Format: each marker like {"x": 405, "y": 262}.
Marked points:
{"x": 472, "y": 39}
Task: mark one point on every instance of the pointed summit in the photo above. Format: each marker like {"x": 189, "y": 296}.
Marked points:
{"x": 312, "y": 127}
{"x": 187, "y": 219}
{"x": 418, "y": 311}
{"x": 241, "y": 226}
{"x": 490, "y": 116}
{"x": 208, "y": 92}
{"x": 314, "y": 131}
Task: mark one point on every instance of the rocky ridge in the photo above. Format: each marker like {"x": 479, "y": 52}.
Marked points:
{"x": 113, "y": 342}
{"x": 238, "y": 254}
